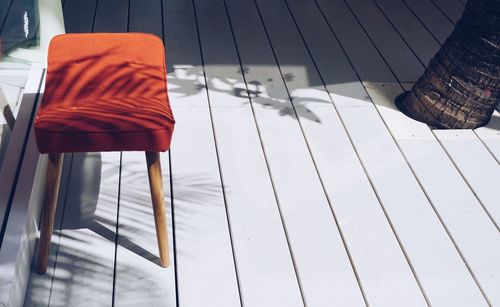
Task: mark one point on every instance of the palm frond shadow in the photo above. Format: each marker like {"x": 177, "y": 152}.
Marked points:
{"x": 104, "y": 93}
{"x": 194, "y": 194}
{"x": 88, "y": 224}
{"x": 90, "y": 187}
{"x": 79, "y": 267}
{"x": 91, "y": 202}
{"x": 189, "y": 80}
{"x": 73, "y": 264}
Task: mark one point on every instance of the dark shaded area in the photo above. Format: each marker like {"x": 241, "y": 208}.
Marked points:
{"x": 18, "y": 24}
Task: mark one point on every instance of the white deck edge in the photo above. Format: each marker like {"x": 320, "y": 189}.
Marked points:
{"x": 18, "y": 138}
{"x": 20, "y": 235}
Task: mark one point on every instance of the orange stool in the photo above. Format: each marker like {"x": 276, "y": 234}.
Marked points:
{"x": 104, "y": 92}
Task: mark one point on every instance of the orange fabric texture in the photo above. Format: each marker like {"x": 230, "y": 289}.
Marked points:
{"x": 105, "y": 92}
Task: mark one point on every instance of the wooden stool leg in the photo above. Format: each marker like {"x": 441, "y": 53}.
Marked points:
{"x": 156, "y": 187}
{"x": 49, "y": 209}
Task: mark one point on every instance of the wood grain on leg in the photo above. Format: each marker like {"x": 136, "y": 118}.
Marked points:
{"x": 156, "y": 187}
{"x": 49, "y": 209}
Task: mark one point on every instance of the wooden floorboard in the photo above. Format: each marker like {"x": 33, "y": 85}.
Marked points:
{"x": 111, "y": 16}
{"x": 79, "y": 15}
{"x": 146, "y": 16}
{"x": 206, "y": 272}
{"x": 40, "y": 286}
{"x": 399, "y": 57}
{"x": 84, "y": 265}
{"x": 455, "y": 204}
{"x": 490, "y": 135}
{"x": 433, "y": 19}
{"x": 451, "y": 8}
{"x": 409, "y": 28}
{"x": 476, "y": 165}
{"x": 139, "y": 279}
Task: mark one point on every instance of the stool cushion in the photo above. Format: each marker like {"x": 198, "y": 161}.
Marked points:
{"x": 105, "y": 92}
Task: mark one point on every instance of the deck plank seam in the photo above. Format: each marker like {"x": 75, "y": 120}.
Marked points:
{"x": 442, "y": 11}
{"x": 487, "y": 148}
{"x": 171, "y": 185}
{"x": 378, "y": 51}
{"x": 217, "y": 152}
{"x": 128, "y": 16}
{"x": 420, "y": 20}
{"x": 174, "y": 241}
{"x": 115, "y": 262}
{"x": 412, "y": 169}
{"x": 478, "y": 198}
{"x": 162, "y": 22}
{"x": 60, "y": 223}
{"x": 117, "y": 229}
{"x": 95, "y": 14}
{"x": 399, "y": 33}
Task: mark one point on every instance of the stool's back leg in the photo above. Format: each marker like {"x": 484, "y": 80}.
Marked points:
{"x": 156, "y": 187}
{"x": 49, "y": 209}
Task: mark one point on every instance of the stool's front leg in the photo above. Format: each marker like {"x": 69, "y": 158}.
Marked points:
{"x": 156, "y": 187}
{"x": 49, "y": 209}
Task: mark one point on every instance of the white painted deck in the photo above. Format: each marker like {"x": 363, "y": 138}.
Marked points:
{"x": 292, "y": 180}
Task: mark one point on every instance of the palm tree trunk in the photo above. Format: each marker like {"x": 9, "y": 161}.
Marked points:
{"x": 461, "y": 85}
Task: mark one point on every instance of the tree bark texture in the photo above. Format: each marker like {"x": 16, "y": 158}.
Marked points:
{"x": 461, "y": 85}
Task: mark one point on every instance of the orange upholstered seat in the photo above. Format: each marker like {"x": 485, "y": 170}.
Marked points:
{"x": 105, "y": 92}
